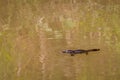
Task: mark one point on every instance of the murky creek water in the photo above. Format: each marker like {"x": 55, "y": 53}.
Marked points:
{"x": 33, "y": 35}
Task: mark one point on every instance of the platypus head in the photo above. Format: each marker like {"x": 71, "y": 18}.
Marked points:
{"x": 67, "y": 51}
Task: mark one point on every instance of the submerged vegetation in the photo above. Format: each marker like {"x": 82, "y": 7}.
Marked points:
{"x": 34, "y": 32}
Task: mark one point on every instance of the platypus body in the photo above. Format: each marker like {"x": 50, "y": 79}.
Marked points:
{"x": 79, "y": 51}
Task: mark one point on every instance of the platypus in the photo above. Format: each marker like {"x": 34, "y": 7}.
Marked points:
{"x": 79, "y": 51}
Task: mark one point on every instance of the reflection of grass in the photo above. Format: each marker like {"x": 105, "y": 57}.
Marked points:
{"x": 68, "y": 23}
{"x": 19, "y": 42}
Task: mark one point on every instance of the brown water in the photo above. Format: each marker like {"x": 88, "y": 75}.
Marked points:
{"x": 34, "y": 32}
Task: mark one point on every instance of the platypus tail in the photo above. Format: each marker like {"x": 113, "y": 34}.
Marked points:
{"x": 93, "y": 50}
